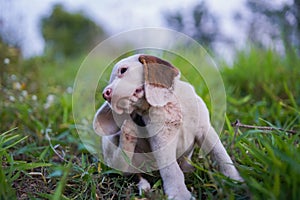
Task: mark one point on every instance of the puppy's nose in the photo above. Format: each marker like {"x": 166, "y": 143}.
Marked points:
{"x": 107, "y": 93}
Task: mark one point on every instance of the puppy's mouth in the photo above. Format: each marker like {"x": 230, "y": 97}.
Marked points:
{"x": 129, "y": 103}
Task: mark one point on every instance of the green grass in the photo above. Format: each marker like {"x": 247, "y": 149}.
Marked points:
{"x": 43, "y": 157}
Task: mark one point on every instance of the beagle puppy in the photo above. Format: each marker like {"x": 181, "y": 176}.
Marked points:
{"x": 152, "y": 120}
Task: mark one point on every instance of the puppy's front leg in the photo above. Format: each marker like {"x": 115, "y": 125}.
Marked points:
{"x": 164, "y": 145}
{"x": 172, "y": 176}
{"x": 122, "y": 157}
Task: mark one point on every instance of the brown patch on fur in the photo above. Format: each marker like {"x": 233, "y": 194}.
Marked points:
{"x": 173, "y": 114}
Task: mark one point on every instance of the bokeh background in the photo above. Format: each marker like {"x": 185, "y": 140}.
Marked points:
{"x": 255, "y": 43}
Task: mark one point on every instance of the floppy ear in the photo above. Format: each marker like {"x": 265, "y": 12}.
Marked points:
{"x": 104, "y": 123}
{"x": 159, "y": 78}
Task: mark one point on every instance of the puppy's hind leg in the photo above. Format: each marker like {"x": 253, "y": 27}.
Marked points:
{"x": 211, "y": 143}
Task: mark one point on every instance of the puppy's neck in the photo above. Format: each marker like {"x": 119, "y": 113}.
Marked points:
{"x": 142, "y": 106}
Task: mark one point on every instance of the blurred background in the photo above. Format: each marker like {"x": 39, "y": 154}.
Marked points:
{"x": 256, "y": 44}
{"x": 36, "y": 28}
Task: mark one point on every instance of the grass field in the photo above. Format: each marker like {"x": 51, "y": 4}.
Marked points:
{"x": 42, "y": 156}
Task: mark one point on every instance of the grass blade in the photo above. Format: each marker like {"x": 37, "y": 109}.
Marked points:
{"x": 62, "y": 183}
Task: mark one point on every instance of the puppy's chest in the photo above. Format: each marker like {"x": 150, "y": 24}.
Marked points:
{"x": 169, "y": 115}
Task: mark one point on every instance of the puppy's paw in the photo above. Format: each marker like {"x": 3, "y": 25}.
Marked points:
{"x": 183, "y": 196}
{"x": 180, "y": 194}
{"x": 143, "y": 185}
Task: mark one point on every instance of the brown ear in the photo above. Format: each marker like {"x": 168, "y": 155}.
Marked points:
{"x": 104, "y": 123}
{"x": 159, "y": 79}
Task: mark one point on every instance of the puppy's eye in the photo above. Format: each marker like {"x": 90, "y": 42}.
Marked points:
{"x": 122, "y": 70}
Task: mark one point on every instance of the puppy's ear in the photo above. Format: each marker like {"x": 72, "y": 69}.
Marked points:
{"x": 104, "y": 123}
{"x": 159, "y": 78}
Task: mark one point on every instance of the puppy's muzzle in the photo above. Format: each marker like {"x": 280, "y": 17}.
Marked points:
{"x": 107, "y": 94}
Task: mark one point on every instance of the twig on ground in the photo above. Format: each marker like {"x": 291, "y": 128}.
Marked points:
{"x": 237, "y": 124}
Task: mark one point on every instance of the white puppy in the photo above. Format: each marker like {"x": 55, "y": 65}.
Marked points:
{"x": 151, "y": 121}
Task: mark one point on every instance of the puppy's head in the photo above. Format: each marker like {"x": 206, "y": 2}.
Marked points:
{"x": 134, "y": 81}
{"x": 138, "y": 78}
